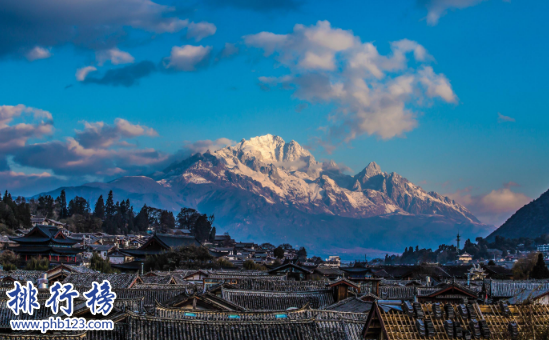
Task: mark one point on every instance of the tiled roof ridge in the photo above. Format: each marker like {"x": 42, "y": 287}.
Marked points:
{"x": 200, "y": 321}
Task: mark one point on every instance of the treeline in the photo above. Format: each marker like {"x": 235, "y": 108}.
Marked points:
{"x": 14, "y": 214}
{"x": 120, "y": 218}
{"x": 481, "y": 250}
{"x": 508, "y": 246}
{"x": 443, "y": 254}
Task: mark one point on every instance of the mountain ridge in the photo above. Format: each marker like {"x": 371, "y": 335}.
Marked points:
{"x": 268, "y": 190}
{"x": 532, "y": 220}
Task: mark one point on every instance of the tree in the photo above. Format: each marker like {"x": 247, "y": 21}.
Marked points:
{"x": 38, "y": 264}
{"x": 212, "y": 234}
{"x": 190, "y": 257}
{"x": 84, "y": 223}
{"x": 101, "y": 265}
{"x": 302, "y": 254}
{"x": 202, "y": 228}
{"x": 523, "y": 267}
{"x": 9, "y": 260}
{"x": 540, "y": 270}
{"x": 279, "y": 252}
{"x": 187, "y": 218}
{"x": 491, "y": 263}
{"x": 167, "y": 221}
{"x": 110, "y": 209}
{"x": 141, "y": 221}
{"x": 251, "y": 265}
{"x": 78, "y": 206}
{"x": 61, "y": 202}
{"x": 99, "y": 210}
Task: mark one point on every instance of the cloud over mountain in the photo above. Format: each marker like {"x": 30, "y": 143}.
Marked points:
{"x": 495, "y": 206}
{"x": 372, "y": 94}
{"x": 267, "y": 189}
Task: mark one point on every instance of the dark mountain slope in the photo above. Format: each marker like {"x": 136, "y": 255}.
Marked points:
{"x": 531, "y": 221}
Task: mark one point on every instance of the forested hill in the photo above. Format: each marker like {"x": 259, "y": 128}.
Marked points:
{"x": 531, "y": 221}
{"x": 110, "y": 216}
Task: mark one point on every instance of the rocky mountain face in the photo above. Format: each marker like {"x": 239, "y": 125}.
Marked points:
{"x": 531, "y": 221}
{"x": 265, "y": 189}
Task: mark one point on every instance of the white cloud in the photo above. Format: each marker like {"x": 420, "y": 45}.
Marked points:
{"x": 493, "y": 207}
{"x": 37, "y": 53}
{"x": 99, "y": 149}
{"x": 82, "y": 73}
{"x": 438, "y": 8}
{"x": 372, "y": 93}
{"x": 202, "y": 146}
{"x": 437, "y": 85}
{"x": 187, "y": 58}
{"x": 228, "y": 51}
{"x": 101, "y": 135}
{"x": 267, "y": 41}
{"x": 34, "y": 123}
{"x": 114, "y": 55}
{"x": 503, "y": 119}
{"x": 201, "y": 30}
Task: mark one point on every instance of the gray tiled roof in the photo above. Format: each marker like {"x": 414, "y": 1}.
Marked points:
{"x": 278, "y": 285}
{"x": 271, "y": 300}
{"x": 116, "y": 280}
{"x": 145, "y": 328}
{"x": 351, "y": 304}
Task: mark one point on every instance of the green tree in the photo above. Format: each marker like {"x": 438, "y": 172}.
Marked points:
{"x": 540, "y": 270}
{"x": 251, "y": 265}
{"x": 167, "y": 221}
{"x": 190, "y": 257}
{"x": 101, "y": 265}
{"x": 110, "y": 209}
{"x": 99, "y": 210}
{"x": 141, "y": 221}
{"x": 78, "y": 206}
{"x": 38, "y": 264}
{"x": 187, "y": 218}
{"x": 212, "y": 234}
{"x": 61, "y": 202}
{"x": 302, "y": 254}
{"x": 9, "y": 260}
{"x": 279, "y": 252}
{"x": 202, "y": 228}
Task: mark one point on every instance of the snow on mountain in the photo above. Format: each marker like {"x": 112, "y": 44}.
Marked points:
{"x": 288, "y": 174}
{"x": 266, "y": 190}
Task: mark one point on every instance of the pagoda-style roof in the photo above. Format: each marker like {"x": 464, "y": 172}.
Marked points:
{"x": 162, "y": 242}
{"x": 44, "y": 234}
{"x": 27, "y": 249}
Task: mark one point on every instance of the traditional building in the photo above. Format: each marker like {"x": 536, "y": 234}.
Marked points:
{"x": 162, "y": 242}
{"x": 465, "y": 258}
{"x": 293, "y": 272}
{"x": 47, "y": 242}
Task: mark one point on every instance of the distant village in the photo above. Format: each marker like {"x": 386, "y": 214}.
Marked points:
{"x": 189, "y": 282}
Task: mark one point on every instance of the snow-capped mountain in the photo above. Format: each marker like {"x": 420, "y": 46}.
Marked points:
{"x": 286, "y": 173}
{"x": 267, "y": 190}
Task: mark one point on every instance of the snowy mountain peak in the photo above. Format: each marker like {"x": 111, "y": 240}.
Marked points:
{"x": 266, "y": 189}
{"x": 269, "y": 149}
{"x": 370, "y": 171}
{"x": 281, "y": 173}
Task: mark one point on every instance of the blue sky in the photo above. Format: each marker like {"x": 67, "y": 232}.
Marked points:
{"x": 452, "y": 97}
